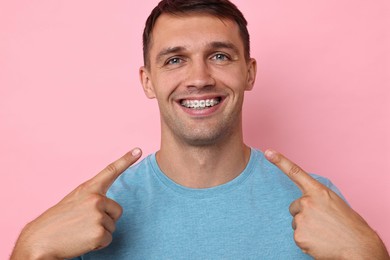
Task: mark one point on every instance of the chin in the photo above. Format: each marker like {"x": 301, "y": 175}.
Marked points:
{"x": 204, "y": 138}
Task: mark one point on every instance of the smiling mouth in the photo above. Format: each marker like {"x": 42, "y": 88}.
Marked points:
{"x": 201, "y": 103}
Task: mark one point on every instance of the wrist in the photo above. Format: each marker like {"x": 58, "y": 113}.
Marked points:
{"x": 372, "y": 248}
{"x": 27, "y": 254}
{"x": 27, "y": 250}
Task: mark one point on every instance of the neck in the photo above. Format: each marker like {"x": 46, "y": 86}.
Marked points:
{"x": 203, "y": 166}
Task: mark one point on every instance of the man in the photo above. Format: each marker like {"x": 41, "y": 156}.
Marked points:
{"x": 204, "y": 194}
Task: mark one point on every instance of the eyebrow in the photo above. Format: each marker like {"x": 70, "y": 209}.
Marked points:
{"x": 168, "y": 51}
{"x": 223, "y": 45}
{"x": 211, "y": 45}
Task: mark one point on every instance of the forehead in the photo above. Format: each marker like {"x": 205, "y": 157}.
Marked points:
{"x": 193, "y": 31}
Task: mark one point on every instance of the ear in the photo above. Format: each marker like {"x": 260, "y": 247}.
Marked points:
{"x": 147, "y": 85}
{"x": 252, "y": 71}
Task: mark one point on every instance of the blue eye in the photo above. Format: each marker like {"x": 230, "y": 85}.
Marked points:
{"x": 220, "y": 57}
{"x": 174, "y": 61}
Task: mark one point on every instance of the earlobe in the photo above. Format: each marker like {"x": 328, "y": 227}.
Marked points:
{"x": 146, "y": 82}
{"x": 252, "y": 71}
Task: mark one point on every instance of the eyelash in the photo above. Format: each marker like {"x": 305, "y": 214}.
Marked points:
{"x": 225, "y": 57}
{"x": 171, "y": 60}
{"x": 217, "y": 57}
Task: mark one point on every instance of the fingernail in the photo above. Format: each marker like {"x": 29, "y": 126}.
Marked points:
{"x": 269, "y": 154}
{"x": 136, "y": 152}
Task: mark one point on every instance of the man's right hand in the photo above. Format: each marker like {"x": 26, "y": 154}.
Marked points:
{"x": 81, "y": 222}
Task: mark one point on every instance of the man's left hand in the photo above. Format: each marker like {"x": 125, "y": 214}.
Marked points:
{"x": 325, "y": 227}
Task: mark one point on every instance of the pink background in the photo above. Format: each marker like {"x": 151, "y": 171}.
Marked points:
{"x": 71, "y": 102}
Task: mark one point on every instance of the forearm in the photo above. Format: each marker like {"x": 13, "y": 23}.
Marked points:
{"x": 28, "y": 250}
{"x": 372, "y": 248}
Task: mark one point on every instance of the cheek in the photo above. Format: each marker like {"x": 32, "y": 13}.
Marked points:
{"x": 233, "y": 78}
{"x": 164, "y": 88}
{"x": 168, "y": 82}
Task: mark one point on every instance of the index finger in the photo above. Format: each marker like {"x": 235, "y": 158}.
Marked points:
{"x": 104, "y": 179}
{"x": 302, "y": 179}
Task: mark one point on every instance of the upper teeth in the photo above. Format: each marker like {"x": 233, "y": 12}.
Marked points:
{"x": 199, "y": 104}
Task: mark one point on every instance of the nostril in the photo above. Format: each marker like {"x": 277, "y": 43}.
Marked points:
{"x": 197, "y": 80}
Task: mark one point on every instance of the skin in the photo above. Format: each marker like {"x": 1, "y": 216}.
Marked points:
{"x": 198, "y": 57}
{"x": 56, "y": 233}
{"x": 325, "y": 227}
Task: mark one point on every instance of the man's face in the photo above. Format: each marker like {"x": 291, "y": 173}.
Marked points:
{"x": 198, "y": 74}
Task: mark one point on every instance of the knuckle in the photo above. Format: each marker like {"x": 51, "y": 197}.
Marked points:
{"x": 112, "y": 168}
{"x": 300, "y": 239}
{"x": 294, "y": 170}
{"x": 110, "y": 225}
{"x": 324, "y": 193}
{"x": 113, "y": 228}
{"x": 100, "y": 238}
{"x": 99, "y": 219}
{"x": 294, "y": 224}
{"x": 293, "y": 209}
{"x": 95, "y": 200}
{"x": 116, "y": 211}
{"x": 107, "y": 240}
{"x": 83, "y": 187}
{"x": 120, "y": 211}
{"x": 98, "y": 234}
{"x": 97, "y": 237}
{"x": 306, "y": 202}
{"x": 299, "y": 219}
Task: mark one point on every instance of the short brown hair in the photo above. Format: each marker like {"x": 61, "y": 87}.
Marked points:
{"x": 220, "y": 8}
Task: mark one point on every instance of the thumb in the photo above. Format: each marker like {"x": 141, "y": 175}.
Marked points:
{"x": 302, "y": 179}
{"x": 104, "y": 179}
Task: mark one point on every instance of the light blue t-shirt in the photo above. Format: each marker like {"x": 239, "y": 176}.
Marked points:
{"x": 246, "y": 218}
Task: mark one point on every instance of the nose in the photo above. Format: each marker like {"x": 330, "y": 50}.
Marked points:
{"x": 199, "y": 75}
